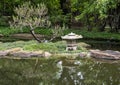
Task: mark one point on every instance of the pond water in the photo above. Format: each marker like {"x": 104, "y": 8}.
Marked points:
{"x": 103, "y": 45}
{"x": 59, "y": 72}
{"x": 62, "y": 71}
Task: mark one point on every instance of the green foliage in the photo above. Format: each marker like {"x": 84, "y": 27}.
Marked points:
{"x": 9, "y": 45}
{"x": 52, "y": 5}
{"x": 58, "y": 31}
{"x": 56, "y": 47}
{"x": 60, "y": 19}
{"x": 28, "y": 15}
{"x": 99, "y": 7}
{"x": 4, "y": 20}
{"x": 34, "y": 46}
{"x": 6, "y": 31}
{"x": 51, "y": 47}
{"x": 96, "y": 13}
{"x": 7, "y": 6}
{"x": 48, "y": 32}
{"x": 41, "y": 46}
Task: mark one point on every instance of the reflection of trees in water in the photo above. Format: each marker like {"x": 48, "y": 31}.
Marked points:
{"x": 91, "y": 74}
{"x": 103, "y": 74}
{"x": 27, "y": 72}
{"x": 41, "y": 72}
{"x": 11, "y": 72}
{"x": 70, "y": 77}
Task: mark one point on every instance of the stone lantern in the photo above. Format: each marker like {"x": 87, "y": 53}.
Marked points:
{"x": 71, "y": 40}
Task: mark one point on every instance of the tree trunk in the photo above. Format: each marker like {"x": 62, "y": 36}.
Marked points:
{"x": 89, "y": 27}
{"x": 33, "y": 34}
{"x": 102, "y": 26}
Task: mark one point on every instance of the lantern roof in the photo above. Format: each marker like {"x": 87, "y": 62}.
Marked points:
{"x": 71, "y": 36}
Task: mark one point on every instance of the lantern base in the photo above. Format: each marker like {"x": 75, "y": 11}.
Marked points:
{"x": 71, "y": 48}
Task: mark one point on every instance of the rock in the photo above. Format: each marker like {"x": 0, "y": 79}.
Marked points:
{"x": 107, "y": 54}
{"x": 3, "y": 53}
{"x": 1, "y": 35}
{"x": 21, "y": 54}
{"x": 88, "y": 54}
{"x": 18, "y": 52}
{"x": 37, "y": 54}
{"x": 46, "y": 54}
{"x": 84, "y": 54}
{"x": 14, "y": 50}
{"x": 26, "y": 54}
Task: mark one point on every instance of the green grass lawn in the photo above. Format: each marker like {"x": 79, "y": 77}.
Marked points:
{"x": 45, "y": 31}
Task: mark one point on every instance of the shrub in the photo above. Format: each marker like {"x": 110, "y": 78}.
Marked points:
{"x": 4, "y": 20}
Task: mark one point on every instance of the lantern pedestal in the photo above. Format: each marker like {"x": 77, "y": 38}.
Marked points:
{"x": 68, "y": 48}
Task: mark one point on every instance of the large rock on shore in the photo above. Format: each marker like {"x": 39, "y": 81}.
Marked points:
{"x": 84, "y": 54}
{"x": 26, "y": 54}
{"x": 19, "y": 52}
{"x": 3, "y": 53}
{"x": 14, "y": 50}
{"x": 107, "y": 54}
{"x": 47, "y": 54}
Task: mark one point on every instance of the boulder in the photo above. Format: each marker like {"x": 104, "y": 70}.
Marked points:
{"x": 107, "y": 54}
{"x": 14, "y": 50}
{"x": 47, "y": 54}
{"x": 26, "y": 54}
{"x": 84, "y": 54}
{"x": 3, "y": 53}
{"x": 19, "y": 52}
{"x": 1, "y": 35}
{"x": 37, "y": 54}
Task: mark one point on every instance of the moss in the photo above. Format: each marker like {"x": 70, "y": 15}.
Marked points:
{"x": 9, "y": 45}
{"x": 41, "y": 46}
{"x": 51, "y": 47}
{"x": 6, "y": 31}
{"x": 57, "y": 47}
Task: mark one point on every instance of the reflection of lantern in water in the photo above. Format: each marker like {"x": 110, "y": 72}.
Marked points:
{"x": 71, "y": 40}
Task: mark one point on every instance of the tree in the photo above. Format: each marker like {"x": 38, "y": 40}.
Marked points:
{"x": 31, "y": 17}
{"x": 34, "y": 17}
{"x": 97, "y": 12}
